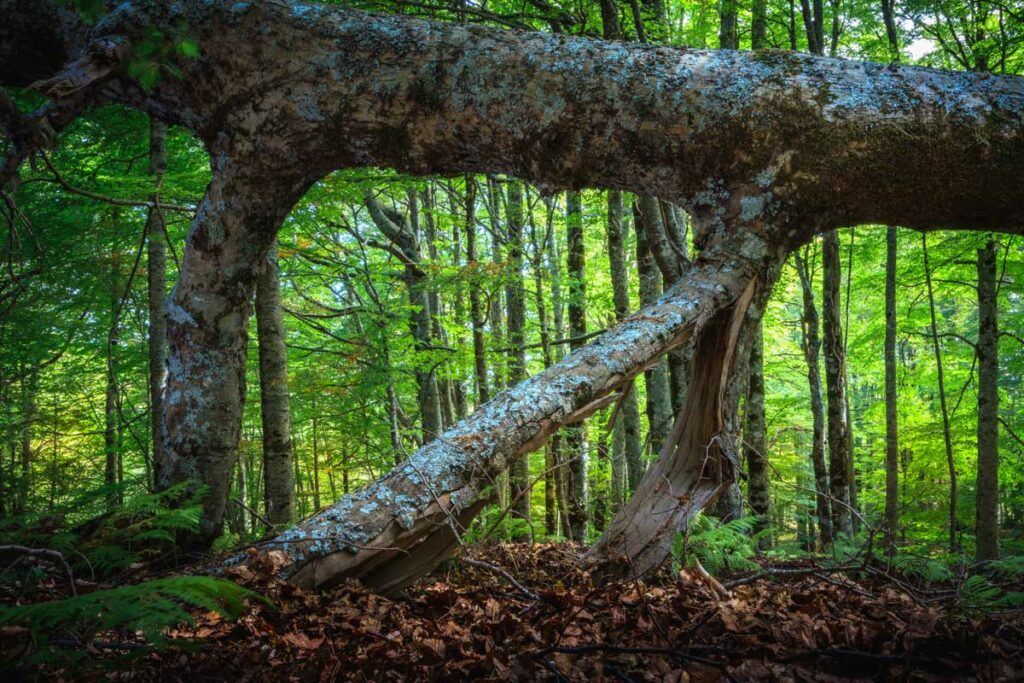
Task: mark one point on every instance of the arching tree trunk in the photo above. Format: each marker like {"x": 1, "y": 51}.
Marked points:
{"x": 275, "y": 408}
{"x": 764, "y": 149}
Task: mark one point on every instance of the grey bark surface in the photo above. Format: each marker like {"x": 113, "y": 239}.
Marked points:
{"x": 275, "y": 404}
{"x": 987, "y": 483}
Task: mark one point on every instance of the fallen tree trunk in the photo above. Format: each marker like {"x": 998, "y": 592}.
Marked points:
{"x": 404, "y": 524}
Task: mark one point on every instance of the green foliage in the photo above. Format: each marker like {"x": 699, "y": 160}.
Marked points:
{"x": 720, "y": 546}
{"x": 979, "y": 594}
{"x": 148, "y": 608}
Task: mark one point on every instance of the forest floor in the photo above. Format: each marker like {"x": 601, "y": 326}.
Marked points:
{"x": 521, "y": 612}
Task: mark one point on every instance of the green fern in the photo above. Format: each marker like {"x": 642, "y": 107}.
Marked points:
{"x": 149, "y": 608}
{"x": 722, "y": 547}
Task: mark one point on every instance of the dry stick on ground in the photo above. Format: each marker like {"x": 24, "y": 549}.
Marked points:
{"x": 44, "y": 552}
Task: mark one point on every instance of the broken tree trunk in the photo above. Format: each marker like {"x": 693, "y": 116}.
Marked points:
{"x": 401, "y": 526}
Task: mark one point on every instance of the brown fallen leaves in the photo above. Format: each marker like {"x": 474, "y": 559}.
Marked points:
{"x": 469, "y": 623}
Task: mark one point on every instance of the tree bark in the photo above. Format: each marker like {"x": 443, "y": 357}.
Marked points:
{"x": 755, "y": 445}
{"x": 408, "y": 521}
{"x": 987, "y": 487}
{"x": 575, "y": 436}
{"x": 839, "y": 444}
{"x": 156, "y": 276}
{"x": 476, "y": 312}
{"x": 515, "y": 301}
{"x": 275, "y": 408}
{"x": 811, "y": 346}
{"x": 656, "y": 378}
{"x": 628, "y": 449}
{"x": 110, "y": 423}
{"x": 892, "y": 445}
{"x": 404, "y": 235}
{"x": 946, "y": 431}
{"x": 207, "y": 320}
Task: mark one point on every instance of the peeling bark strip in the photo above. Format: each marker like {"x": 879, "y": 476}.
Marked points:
{"x": 403, "y": 525}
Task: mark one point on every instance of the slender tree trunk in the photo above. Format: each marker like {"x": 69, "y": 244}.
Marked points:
{"x": 839, "y": 443}
{"x": 811, "y": 347}
{"x": 29, "y": 415}
{"x": 459, "y": 307}
{"x": 759, "y": 24}
{"x": 110, "y": 448}
{"x": 515, "y": 300}
{"x": 553, "y": 256}
{"x": 946, "y": 432}
{"x": 755, "y": 442}
{"x": 156, "y": 271}
{"x": 656, "y": 379}
{"x": 476, "y": 311}
{"x": 728, "y": 34}
{"x": 537, "y": 243}
{"x": 892, "y": 445}
{"x": 575, "y": 445}
{"x": 627, "y": 451}
{"x": 445, "y": 392}
{"x": 987, "y": 506}
{"x": 404, "y": 235}
{"x": 275, "y": 408}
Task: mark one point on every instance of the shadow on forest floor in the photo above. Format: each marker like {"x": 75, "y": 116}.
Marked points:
{"x": 471, "y": 621}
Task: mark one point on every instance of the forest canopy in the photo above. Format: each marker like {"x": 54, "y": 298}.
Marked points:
{"x": 367, "y": 283}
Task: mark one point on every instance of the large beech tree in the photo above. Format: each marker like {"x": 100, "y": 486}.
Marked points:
{"x": 764, "y": 149}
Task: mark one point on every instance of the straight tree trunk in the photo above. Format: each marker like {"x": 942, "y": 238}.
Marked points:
{"x": 551, "y": 455}
{"x": 29, "y": 416}
{"x": 892, "y": 445}
{"x": 575, "y": 436}
{"x": 404, "y": 235}
{"x": 811, "y": 346}
{"x": 656, "y": 378}
{"x": 476, "y": 311}
{"x": 627, "y": 450}
{"x": 110, "y": 423}
{"x": 275, "y": 407}
{"x": 515, "y": 300}
{"x": 755, "y": 446}
{"x": 946, "y": 432}
{"x": 839, "y": 443}
{"x": 156, "y": 276}
{"x": 553, "y": 259}
{"x": 987, "y": 492}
